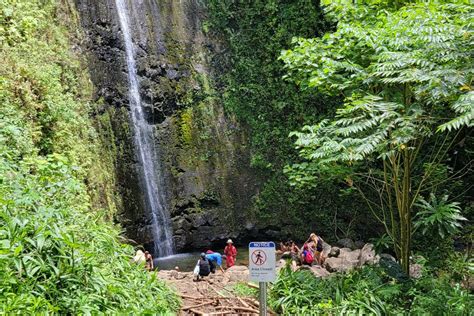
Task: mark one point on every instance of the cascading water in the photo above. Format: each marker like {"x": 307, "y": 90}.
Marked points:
{"x": 144, "y": 140}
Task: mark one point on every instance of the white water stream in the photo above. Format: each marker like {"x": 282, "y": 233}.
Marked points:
{"x": 152, "y": 180}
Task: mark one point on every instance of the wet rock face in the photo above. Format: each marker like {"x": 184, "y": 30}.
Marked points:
{"x": 203, "y": 153}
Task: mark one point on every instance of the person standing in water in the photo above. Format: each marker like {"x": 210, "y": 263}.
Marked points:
{"x": 230, "y": 254}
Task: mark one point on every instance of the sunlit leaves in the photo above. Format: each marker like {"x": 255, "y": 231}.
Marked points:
{"x": 398, "y": 71}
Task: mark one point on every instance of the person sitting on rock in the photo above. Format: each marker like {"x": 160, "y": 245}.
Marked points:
{"x": 203, "y": 268}
{"x": 149, "y": 261}
{"x": 284, "y": 247}
{"x": 230, "y": 254}
{"x": 316, "y": 243}
{"x": 295, "y": 255}
{"x": 307, "y": 255}
{"x": 215, "y": 260}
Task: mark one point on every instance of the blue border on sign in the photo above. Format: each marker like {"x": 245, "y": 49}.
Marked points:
{"x": 262, "y": 244}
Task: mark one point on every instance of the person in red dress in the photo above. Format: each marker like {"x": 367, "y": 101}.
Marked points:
{"x": 230, "y": 254}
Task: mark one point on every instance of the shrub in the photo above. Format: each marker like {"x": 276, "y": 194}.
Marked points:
{"x": 57, "y": 253}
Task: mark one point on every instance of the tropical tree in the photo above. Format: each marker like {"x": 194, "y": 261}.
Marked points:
{"x": 405, "y": 75}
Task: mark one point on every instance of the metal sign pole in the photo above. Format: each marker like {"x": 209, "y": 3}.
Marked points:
{"x": 263, "y": 298}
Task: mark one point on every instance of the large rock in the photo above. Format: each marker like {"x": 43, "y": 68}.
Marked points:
{"x": 387, "y": 256}
{"x": 320, "y": 272}
{"x": 359, "y": 244}
{"x": 349, "y": 255}
{"x": 416, "y": 270}
{"x": 326, "y": 250}
{"x": 334, "y": 252}
{"x": 237, "y": 274}
{"x": 367, "y": 255}
{"x": 345, "y": 243}
{"x": 340, "y": 264}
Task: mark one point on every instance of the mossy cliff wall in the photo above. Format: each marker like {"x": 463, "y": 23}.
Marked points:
{"x": 204, "y": 153}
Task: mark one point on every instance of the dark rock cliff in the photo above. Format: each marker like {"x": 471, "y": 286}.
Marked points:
{"x": 205, "y": 158}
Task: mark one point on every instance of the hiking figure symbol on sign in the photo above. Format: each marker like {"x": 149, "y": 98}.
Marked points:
{"x": 262, "y": 261}
{"x": 259, "y": 257}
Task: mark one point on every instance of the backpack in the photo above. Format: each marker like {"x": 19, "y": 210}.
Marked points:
{"x": 204, "y": 267}
{"x": 308, "y": 257}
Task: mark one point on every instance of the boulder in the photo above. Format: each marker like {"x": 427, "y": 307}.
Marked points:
{"x": 349, "y": 255}
{"x": 345, "y": 243}
{"x": 340, "y": 264}
{"x": 320, "y": 272}
{"x": 367, "y": 255}
{"x": 416, "y": 270}
{"x": 326, "y": 250}
{"x": 334, "y": 252}
{"x": 359, "y": 244}
{"x": 387, "y": 256}
{"x": 237, "y": 274}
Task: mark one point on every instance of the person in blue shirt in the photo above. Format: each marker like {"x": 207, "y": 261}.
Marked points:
{"x": 215, "y": 259}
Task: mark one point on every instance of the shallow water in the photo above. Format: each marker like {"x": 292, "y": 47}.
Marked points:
{"x": 187, "y": 261}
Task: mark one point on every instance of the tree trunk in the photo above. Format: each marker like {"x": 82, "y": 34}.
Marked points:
{"x": 405, "y": 214}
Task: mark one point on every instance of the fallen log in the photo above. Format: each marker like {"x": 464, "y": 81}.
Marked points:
{"x": 192, "y": 297}
{"x": 252, "y": 285}
{"x": 243, "y": 302}
{"x": 198, "y": 305}
{"x": 245, "y": 309}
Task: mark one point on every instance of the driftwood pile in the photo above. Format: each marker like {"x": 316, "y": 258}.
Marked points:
{"x": 219, "y": 304}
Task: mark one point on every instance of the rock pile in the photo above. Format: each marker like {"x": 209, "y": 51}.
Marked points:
{"x": 346, "y": 259}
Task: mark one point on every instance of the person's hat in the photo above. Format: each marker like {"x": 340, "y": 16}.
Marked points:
{"x": 209, "y": 252}
{"x": 203, "y": 255}
{"x": 229, "y": 241}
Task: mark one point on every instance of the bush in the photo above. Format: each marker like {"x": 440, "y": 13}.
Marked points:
{"x": 57, "y": 253}
{"x": 368, "y": 291}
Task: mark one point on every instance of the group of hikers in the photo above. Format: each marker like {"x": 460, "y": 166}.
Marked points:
{"x": 209, "y": 260}
{"x": 310, "y": 253}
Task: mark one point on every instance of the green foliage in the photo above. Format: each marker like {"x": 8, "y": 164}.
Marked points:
{"x": 58, "y": 255}
{"x": 383, "y": 243}
{"x": 402, "y": 72}
{"x": 242, "y": 289}
{"x": 270, "y": 108}
{"x": 369, "y": 291}
{"x": 440, "y": 216}
{"x": 397, "y": 70}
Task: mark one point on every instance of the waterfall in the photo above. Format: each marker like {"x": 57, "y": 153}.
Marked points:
{"x": 151, "y": 172}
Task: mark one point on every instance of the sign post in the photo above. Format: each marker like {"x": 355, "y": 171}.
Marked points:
{"x": 262, "y": 269}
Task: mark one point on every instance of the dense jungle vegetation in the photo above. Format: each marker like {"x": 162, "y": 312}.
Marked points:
{"x": 378, "y": 99}
{"x": 255, "y": 33}
{"x": 58, "y": 251}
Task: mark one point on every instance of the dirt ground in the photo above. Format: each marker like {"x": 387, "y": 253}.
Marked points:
{"x": 213, "y": 295}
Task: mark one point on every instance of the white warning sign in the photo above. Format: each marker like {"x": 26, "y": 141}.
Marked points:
{"x": 262, "y": 261}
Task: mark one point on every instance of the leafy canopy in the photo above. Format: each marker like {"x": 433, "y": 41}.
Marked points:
{"x": 399, "y": 73}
